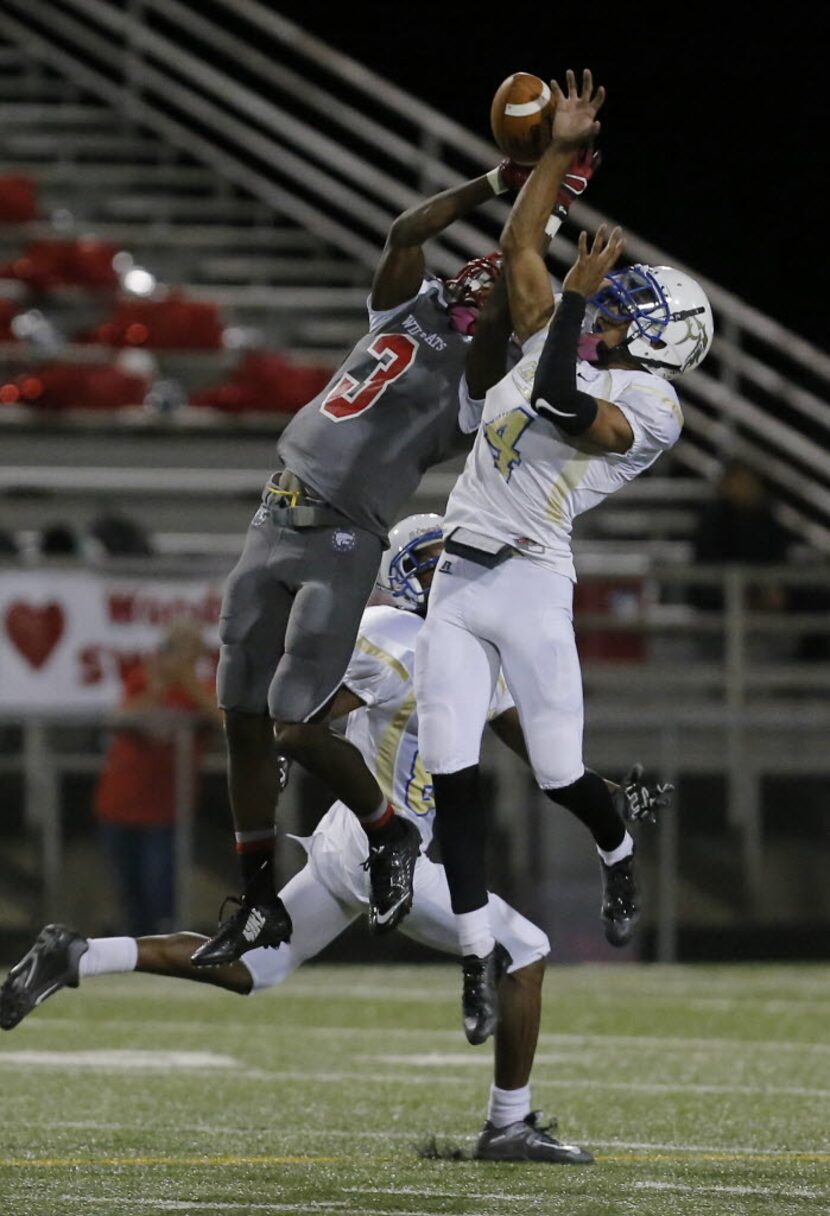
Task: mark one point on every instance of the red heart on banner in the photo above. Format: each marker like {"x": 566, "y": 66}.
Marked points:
{"x": 35, "y": 631}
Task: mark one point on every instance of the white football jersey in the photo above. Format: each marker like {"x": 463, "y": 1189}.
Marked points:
{"x": 385, "y": 731}
{"x": 523, "y": 485}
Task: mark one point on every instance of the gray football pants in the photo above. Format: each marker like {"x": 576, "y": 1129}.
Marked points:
{"x": 290, "y": 615}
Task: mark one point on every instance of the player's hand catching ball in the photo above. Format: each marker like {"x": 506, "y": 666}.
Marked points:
{"x": 574, "y": 115}
{"x": 592, "y": 265}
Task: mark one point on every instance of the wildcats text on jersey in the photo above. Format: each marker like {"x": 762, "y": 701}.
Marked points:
{"x": 412, "y": 326}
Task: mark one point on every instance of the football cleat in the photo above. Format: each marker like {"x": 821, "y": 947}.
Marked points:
{"x": 480, "y": 993}
{"x": 51, "y": 964}
{"x": 250, "y": 927}
{"x": 527, "y": 1140}
{"x": 391, "y": 866}
{"x": 620, "y": 901}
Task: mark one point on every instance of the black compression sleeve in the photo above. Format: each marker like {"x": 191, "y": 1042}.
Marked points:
{"x": 555, "y": 395}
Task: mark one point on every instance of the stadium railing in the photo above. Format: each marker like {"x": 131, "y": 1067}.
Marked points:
{"x": 339, "y": 150}
{"x": 700, "y": 693}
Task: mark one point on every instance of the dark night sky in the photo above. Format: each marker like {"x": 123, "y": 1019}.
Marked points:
{"x": 702, "y": 126}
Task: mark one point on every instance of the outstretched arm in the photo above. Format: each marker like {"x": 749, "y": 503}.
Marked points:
{"x": 586, "y": 422}
{"x": 487, "y": 357}
{"x": 401, "y": 266}
{"x": 523, "y": 239}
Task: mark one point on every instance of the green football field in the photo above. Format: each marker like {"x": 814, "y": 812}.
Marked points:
{"x": 700, "y": 1090}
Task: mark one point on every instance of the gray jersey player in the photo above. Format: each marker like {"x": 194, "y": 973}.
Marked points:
{"x": 400, "y": 402}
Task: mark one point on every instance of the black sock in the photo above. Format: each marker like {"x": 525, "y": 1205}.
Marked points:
{"x": 589, "y": 799}
{"x": 459, "y": 827}
{"x": 393, "y": 829}
{"x": 258, "y": 878}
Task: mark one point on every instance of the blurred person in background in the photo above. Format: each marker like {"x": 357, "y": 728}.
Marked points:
{"x": 738, "y": 525}
{"x": 135, "y": 801}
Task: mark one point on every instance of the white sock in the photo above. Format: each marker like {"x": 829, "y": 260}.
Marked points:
{"x": 508, "y": 1105}
{"x": 106, "y": 954}
{"x": 474, "y": 933}
{"x": 622, "y": 850}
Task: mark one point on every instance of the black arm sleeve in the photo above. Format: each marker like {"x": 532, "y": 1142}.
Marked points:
{"x": 555, "y": 395}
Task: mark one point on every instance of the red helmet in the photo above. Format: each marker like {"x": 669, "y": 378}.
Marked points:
{"x": 475, "y": 281}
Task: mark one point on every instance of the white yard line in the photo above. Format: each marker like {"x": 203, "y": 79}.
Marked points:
{"x": 546, "y": 1039}
{"x": 187, "y": 1205}
{"x": 435, "y": 1079}
{"x": 698, "y": 1188}
{"x": 413, "y": 1137}
{"x": 118, "y": 1060}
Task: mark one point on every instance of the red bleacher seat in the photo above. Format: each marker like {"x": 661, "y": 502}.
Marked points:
{"x": 614, "y": 597}
{"x": 18, "y": 199}
{"x": 264, "y": 383}
{"x": 7, "y": 311}
{"x": 174, "y": 323}
{"x": 77, "y": 263}
{"x": 61, "y": 386}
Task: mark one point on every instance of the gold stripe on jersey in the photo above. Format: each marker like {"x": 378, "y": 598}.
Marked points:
{"x": 376, "y": 652}
{"x": 573, "y": 473}
{"x": 387, "y": 753}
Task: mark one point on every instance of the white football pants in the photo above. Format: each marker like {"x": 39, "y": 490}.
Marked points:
{"x": 518, "y": 617}
{"x": 332, "y": 890}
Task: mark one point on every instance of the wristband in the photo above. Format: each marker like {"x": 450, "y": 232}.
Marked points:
{"x": 495, "y": 181}
{"x": 555, "y": 379}
{"x": 553, "y": 225}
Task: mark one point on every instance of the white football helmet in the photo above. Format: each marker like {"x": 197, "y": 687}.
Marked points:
{"x": 671, "y": 317}
{"x": 401, "y": 565}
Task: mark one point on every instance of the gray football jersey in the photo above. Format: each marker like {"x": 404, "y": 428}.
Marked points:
{"x": 389, "y": 412}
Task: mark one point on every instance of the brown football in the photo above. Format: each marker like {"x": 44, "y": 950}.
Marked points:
{"x": 520, "y": 117}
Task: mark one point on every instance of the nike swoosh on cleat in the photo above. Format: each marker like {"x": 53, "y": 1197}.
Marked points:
{"x": 381, "y": 918}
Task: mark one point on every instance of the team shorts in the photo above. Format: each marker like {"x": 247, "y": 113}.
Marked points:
{"x": 290, "y": 616}
{"x": 518, "y": 618}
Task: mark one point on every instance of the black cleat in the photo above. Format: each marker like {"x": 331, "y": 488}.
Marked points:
{"x": 620, "y": 901}
{"x": 251, "y": 926}
{"x": 527, "y": 1141}
{"x": 51, "y": 964}
{"x": 391, "y": 866}
{"x": 480, "y": 993}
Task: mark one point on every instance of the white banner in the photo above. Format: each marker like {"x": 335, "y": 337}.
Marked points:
{"x": 67, "y": 638}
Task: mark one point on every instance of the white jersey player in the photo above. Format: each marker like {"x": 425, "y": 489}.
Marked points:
{"x": 559, "y": 434}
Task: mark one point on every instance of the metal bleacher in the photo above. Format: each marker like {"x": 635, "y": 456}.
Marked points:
{"x": 269, "y": 192}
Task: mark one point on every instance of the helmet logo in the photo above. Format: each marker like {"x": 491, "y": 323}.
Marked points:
{"x": 699, "y": 339}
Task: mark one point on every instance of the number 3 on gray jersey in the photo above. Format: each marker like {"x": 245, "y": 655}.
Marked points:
{"x": 395, "y": 354}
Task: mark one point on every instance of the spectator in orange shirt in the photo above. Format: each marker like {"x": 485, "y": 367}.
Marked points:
{"x": 136, "y": 796}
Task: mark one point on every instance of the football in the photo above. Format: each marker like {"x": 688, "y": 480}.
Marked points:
{"x": 520, "y": 117}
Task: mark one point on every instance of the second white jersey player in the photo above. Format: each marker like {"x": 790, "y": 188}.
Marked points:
{"x": 523, "y": 485}
{"x": 333, "y": 889}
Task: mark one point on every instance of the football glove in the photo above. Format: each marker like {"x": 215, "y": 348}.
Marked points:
{"x": 583, "y": 167}
{"x": 638, "y": 802}
{"x": 513, "y": 176}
